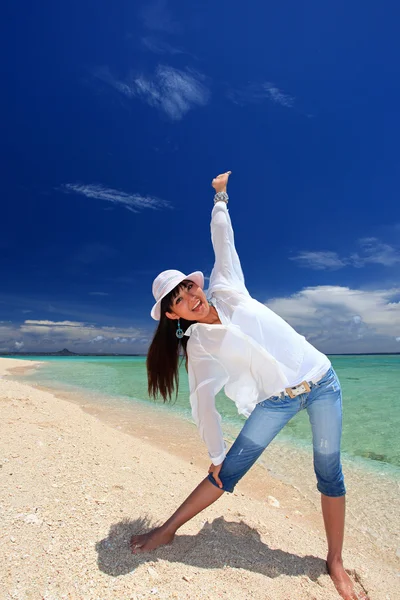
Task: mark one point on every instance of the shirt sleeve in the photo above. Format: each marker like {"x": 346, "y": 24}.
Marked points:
{"x": 227, "y": 272}
{"x": 206, "y": 378}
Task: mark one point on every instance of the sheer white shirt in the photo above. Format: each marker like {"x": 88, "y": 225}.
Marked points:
{"x": 253, "y": 354}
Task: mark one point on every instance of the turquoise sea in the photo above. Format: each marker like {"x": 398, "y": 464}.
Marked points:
{"x": 371, "y": 399}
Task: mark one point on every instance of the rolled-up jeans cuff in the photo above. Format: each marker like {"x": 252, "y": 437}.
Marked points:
{"x": 332, "y": 493}
{"x": 224, "y": 488}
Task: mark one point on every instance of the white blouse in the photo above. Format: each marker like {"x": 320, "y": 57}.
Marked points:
{"x": 253, "y": 354}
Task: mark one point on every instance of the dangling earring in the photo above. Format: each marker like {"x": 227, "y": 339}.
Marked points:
{"x": 179, "y": 333}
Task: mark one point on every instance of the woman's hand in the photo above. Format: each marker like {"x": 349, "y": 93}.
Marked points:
{"x": 220, "y": 182}
{"x": 214, "y": 470}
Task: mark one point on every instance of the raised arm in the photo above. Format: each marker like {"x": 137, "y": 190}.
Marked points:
{"x": 227, "y": 272}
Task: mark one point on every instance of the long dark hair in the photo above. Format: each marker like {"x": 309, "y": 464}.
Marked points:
{"x": 165, "y": 351}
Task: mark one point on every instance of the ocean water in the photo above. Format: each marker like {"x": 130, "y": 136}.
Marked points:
{"x": 371, "y": 400}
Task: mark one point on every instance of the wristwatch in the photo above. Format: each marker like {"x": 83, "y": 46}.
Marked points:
{"x": 221, "y": 197}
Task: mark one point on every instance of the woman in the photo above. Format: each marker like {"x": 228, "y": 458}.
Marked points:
{"x": 268, "y": 369}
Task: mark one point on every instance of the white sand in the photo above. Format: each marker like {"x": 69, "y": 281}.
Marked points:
{"x": 73, "y": 489}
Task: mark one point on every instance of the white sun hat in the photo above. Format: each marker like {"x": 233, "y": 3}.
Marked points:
{"x": 165, "y": 283}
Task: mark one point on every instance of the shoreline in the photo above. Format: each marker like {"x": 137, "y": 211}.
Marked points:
{"x": 17, "y": 355}
{"x": 87, "y": 460}
{"x": 369, "y": 466}
{"x": 285, "y": 470}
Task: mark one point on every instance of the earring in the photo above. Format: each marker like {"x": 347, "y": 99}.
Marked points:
{"x": 179, "y": 333}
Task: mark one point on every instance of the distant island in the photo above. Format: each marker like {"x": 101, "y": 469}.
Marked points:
{"x": 66, "y": 352}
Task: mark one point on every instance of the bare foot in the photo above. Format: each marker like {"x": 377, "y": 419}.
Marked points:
{"x": 151, "y": 540}
{"x": 343, "y": 582}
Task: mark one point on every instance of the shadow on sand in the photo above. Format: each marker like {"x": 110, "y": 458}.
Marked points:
{"x": 219, "y": 543}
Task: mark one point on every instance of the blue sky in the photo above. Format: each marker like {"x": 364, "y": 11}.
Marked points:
{"x": 116, "y": 118}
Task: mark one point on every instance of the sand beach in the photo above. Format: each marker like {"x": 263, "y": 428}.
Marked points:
{"x": 75, "y": 485}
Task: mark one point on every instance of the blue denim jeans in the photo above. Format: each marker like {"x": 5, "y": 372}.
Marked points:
{"x": 324, "y": 406}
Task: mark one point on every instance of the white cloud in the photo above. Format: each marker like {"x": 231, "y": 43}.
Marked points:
{"x": 319, "y": 260}
{"x": 340, "y": 319}
{"x": 132, "y": 202}
{"x": 258, "y": 92}
{"x": 372, "y": 251}
{"x": 276, "y": 95}
{"x": 172, "y": 91}
{"x": 36, "y": 335}
{"x": 31, "y": 322}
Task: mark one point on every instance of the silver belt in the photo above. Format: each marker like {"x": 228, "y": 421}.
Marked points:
{"x": 302, "y": 388}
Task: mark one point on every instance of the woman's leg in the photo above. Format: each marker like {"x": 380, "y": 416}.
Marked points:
{"x": 265, "y": 422}
{"x": 324, "y": 407}
{"x": 205, "y": 494}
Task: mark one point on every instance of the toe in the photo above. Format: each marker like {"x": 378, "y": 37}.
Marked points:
{"x": 136, "y": 543}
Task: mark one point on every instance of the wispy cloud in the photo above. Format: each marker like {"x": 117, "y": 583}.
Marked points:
{"x": 47, "y": 323}
{"x": 341, "y": 319}
{"x": 259, "y": 92}
{"x": 172, "y": 91}
{"x": 132, "y": 202}
{"x": 276, "y": 95}
{"x": 371, "y": 251}
{"x": 374, "y": 251}
{"x": 319, "y": 260}
{"x": 99, "y": 294}
{"x": 158, "y": 46}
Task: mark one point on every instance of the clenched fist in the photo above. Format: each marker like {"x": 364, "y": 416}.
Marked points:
{"x": 220, "y": 182}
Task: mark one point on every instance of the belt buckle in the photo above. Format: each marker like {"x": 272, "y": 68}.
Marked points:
{"x": 302, "y": 388}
